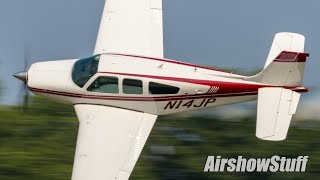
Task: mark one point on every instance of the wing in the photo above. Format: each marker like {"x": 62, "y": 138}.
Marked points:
{"x": 110, "y": 141}
{"x": 131, "y": 27}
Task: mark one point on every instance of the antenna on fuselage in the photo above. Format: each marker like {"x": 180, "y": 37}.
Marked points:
{"x": 161, "y": 66}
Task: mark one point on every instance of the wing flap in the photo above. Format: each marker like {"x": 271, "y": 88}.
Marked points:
{"x": 275, "y": 109}
{"x": 110, "y": 141}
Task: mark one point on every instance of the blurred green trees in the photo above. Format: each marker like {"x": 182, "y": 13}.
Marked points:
{"x": 39, "y": 143}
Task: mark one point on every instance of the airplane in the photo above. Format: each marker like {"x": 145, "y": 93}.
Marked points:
{"x": 120, "y": 90}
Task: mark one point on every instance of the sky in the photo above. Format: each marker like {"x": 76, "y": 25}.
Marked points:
{"x": 222, "y": 33}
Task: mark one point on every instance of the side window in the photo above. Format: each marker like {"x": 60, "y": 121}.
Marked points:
{"x": 105, "y": 84}
{"x": 157, "y": 88}
{"x": 132, "y": 86}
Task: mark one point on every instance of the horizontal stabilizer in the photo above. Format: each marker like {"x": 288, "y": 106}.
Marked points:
{"x": 275, "y": 109}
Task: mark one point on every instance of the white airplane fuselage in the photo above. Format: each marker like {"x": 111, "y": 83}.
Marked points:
{"x": 199, "y": 87}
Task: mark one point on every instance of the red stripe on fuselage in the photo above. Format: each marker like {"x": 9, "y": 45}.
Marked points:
{"x": 124, "y": 98}
{"x": 224, "y": 87}
{"x": 163, "y": 98}
{"x": 171, "y": 61}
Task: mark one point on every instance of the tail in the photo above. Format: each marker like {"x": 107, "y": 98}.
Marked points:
{"x": 284, "y": 68}
{"x": 286, "y": 61}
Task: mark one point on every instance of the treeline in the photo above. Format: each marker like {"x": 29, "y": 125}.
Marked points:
{"x": 38, "y": 142}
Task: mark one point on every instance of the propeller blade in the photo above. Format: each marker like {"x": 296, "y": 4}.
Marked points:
{"x": 23, "y": 76}
{"x": 27, "y": 57}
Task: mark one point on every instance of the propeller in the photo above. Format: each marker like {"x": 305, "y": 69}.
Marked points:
{"x": 1, "y": 65}
{"x": 23, "y": 76}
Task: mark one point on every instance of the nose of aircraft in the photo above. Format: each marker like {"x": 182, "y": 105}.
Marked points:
{"x": 21, "y": 76}
{"x": 50, "y": 75}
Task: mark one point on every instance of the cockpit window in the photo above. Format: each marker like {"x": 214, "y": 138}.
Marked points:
{"x": 84, "y": 69}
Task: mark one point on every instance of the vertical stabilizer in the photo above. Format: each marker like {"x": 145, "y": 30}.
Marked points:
{"x": 285, "y": 41}
{"x": 286, "y": 62}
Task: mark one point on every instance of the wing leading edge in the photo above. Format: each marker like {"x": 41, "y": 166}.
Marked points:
{"x": 110, "y": 141}
{"x": 131, "y": 27}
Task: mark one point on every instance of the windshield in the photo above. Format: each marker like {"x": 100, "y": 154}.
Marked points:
{"x": 84, "y": 69}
